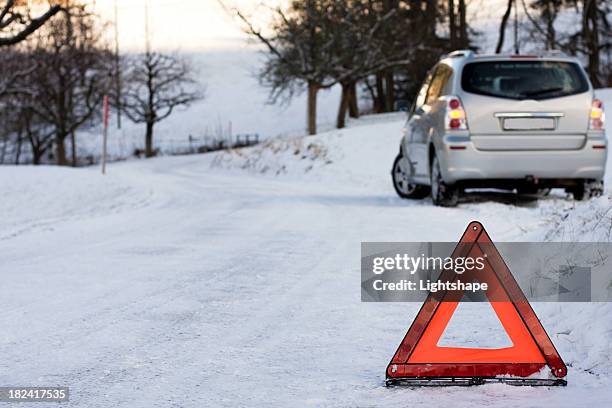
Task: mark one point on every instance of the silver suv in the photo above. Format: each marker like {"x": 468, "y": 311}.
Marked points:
{"x": 520, "y": 122}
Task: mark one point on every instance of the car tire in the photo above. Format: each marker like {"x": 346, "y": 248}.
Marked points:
{"x": 442, "y": 194}
{"x": 401, "y": 175}
{"x": 587, "y": 189}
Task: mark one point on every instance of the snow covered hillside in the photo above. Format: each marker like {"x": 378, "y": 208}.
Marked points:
{"x": 232, "y": 279}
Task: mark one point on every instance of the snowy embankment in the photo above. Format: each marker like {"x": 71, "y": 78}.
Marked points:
{"x": 353, "y": 156}
{"x": 232, "y": 279}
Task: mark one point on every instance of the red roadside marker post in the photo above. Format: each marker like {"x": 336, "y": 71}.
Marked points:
{"x": 420, "y": 361}
{"x": 105, "y": 114}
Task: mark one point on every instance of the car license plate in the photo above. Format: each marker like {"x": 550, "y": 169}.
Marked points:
{"x": 529, "y": 124}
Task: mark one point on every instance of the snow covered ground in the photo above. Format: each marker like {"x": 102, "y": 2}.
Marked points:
{"x": 233, "y": 279}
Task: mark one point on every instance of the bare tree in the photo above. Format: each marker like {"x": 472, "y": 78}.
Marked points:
{"x": 72, "y": 73}
{"x": 17, "y": 23}
{"x": 20, "y": 125}
{"x": 155, "y": 85}
{"x": 414, "y": 31}
{"x": 29, "y": 128}
{"x": 368, "y": 43}
{"x": 547, "y": 12}
{"x": 317, "y": 44}
{"x": 592, "y": 40}
{"x": 298, "y": 53}
{"x": 14, "y": 65}
{"x": 24, "y": 124}
{"x": 457, "y": 24}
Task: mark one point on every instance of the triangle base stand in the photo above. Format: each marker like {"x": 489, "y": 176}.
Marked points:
{"x": 469, "y": 381}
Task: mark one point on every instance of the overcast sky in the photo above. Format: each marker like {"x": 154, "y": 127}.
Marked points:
{"x": 191, "y": 25}
{"x": 178, "y": 24}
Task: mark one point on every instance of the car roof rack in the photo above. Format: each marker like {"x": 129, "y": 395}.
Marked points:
{"x": 460, "y": 54}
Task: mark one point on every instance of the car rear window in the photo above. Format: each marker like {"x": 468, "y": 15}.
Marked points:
{"x": 524, "y": 79}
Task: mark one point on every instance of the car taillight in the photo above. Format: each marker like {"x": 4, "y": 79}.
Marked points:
{"x": 597, "y": 119}
{"x": 455, "y": 115}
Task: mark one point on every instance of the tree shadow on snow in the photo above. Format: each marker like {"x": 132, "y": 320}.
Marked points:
{"x": 505, "y": 197}
{"x": 393, "y": 201}
{"x": 366, "y": 200}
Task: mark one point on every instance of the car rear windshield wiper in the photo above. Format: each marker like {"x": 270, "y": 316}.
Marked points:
{"x": 542, "y": 91}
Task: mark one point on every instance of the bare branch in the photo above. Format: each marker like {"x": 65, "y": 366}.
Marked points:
{"x": 31, "y": 26}
{"x": 156, "y": 85}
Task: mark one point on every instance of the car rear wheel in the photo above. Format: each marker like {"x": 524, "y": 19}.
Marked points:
{"x": 587, "y": 189}
{"x": 402, "y": 174}
{"x": 442, "y": 194}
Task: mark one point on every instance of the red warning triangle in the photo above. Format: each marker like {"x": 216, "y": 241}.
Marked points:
{"x": 420, "y": 361}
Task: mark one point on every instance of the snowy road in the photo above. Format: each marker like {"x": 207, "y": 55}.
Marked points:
{"x": 169, "y": 283}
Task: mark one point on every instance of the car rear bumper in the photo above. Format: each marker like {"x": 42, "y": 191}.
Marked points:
{"x": 461, "y": 160}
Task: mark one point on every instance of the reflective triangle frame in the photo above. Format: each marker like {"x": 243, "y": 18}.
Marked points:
{"x": 419, "y": 361}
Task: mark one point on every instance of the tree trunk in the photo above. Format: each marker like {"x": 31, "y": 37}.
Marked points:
{"x": 18, "y": 151}
{"x": 4, "y": 142}
{"x": 517, "y": 44}
{"x": 149, "y": 140}
{"x": 389, "y": 91}
{"x": 36, "y": 156}
{"x": 452, "y": 24}
{"x": 502, "y": 27}
{"x": 73, "y": 148}
{"x": 463, "y": 29}
{"x": 431, "y": 15}
{"x": 372, "y": 92}
{"x": 60, "y": 149}
{"x": 591, "y": 38}
{"x": 353, "y": 102}
{"x": 550, "y": 15}
{"x": 36, "y": 152}
{"x": 313, "y": 90}
{"x": 343, "y": 108}
{"x": 379, "y": 103}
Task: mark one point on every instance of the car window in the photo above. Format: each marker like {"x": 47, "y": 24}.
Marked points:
{"x": 440, "y": 77}
{"x": 524, "y": 79}
{"x": 422, "y": 95}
